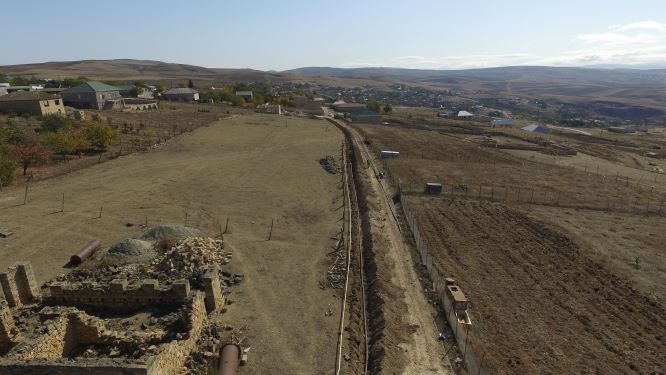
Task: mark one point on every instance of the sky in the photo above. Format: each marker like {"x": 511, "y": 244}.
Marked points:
{"x": 286, "y": 34}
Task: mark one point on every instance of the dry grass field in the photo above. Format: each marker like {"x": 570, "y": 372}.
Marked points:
{"x": 555, "y": 287}
{"x": 250, "y": 169}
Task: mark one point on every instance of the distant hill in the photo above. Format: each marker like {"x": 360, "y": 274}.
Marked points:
{"x": 609, "y": 89}
{"x": 634, "y": 87}
{"x": 126, "y": 69}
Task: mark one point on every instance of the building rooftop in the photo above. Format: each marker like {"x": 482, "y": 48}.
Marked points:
{"x": 181, "y": 90}
{"x": 92, "y": 86}
{"x": 27, "y": 95}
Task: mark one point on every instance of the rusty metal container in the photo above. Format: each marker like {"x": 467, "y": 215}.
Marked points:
{"x": 230, "y": 356}
{"x": 85, "y": 252}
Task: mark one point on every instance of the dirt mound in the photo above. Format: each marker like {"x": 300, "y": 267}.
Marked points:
{"x": 171, "y": 231}
{"x": 131, "y": 250}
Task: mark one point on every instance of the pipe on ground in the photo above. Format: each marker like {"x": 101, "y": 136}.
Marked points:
{"x": 85, "y": 252}
{"x": 230, "y": 356}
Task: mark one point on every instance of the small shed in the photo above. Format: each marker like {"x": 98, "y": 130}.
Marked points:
{"x": 433, "y": 188}
{"x": 388, "y": 154}
{"x": 457, "y": 297}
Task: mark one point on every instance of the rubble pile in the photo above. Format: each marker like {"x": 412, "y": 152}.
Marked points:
{"x": 330, "y": 164}
{"x": 189, "y": 257}
{"x": 336, "y": 272}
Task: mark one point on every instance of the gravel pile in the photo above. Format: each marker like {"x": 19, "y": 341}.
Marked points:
{"x": 171, "y": 231}
{"x": 131, "y": 250}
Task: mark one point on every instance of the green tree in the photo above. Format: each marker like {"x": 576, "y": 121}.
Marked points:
{"x": 190, "y": 84}
{"x": 182, "y": 85}
{"x": 8, "y": 168}
{"x": 100, "y": 136}
{"x": 28, "y": 153}
{"x": 19, "y": 81}
{"x": 3, "y": 77}
{"x": 388, "y": 108}
{"x": 136, "y": 90}
{"x": 55, "y": 123}
{"x": 373, "y": 106}
{"x": 11, "y": 134}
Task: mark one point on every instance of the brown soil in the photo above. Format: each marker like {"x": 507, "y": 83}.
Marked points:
{"x": 541, "y": 304}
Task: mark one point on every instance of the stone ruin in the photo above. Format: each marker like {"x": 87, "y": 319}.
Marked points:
{"x": 88, "y": 327}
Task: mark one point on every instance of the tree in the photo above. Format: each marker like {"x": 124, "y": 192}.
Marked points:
{"x": 55, "y": 123}
{"x": 373, "y": 106}
{"x": 8, "y": 169}
{"x": 64, "y": 144}
{"x": 28, "y": 153}
{"x": 388, "y": 108}
{"x": 19, "y": 81}
{"x": 100, "y": 136}
{"x": 182, "y": 85}
{"x": 136, "y": 90}
{"x": 3, "y": 77}
{"x": 190, "y": 84}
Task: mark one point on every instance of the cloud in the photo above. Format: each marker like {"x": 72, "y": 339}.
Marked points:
{"x": 637, "y": 43}
{"x": 641, "y": 25}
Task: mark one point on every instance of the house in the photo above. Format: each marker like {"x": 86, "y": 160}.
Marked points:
{"x": 247, "y": 95}
{"x": 535, "y": 128}
{"x": 93, "y": 95}
{"x": 365, "y": 115}
{"x": 183, "y": 94}
{"x": 464, "y": 114}
{"x": 32, "y": 102}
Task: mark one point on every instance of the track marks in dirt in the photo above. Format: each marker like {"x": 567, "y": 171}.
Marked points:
{"x": 540, "y": 303}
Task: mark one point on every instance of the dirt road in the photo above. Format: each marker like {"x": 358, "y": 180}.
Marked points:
{"x": 250, "y": 169}
{"x": 410, "y": 319}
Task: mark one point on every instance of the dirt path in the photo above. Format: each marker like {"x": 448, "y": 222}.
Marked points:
{"x": 421, "y": 352}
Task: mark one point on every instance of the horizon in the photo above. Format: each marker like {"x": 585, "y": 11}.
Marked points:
{"x": 427, "y": 34}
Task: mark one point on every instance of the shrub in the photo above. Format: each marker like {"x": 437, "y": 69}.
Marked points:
{"x": 100, "y": 136}
{"x": 8, "y": 168}
{"x": 55, "y": 123}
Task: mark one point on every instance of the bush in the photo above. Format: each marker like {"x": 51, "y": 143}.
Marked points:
{"x": 8, "y": 170}
{"x": 55, "y": 123}
{"x": 100, "y": 136}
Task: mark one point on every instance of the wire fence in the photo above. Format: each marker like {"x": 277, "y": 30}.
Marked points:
{"x": 473, "y": 353}
{"x": 646, "y": 201}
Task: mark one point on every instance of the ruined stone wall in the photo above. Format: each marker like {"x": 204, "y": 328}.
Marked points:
{"x": 18, "y": 285}
{"x": 51, "y": 345}
{"x": 211, "y": 285}
{"x": 117, "y": 296}
{"x": 9, "y": 335}
{"x": 172, "y": 357}
{"x": 41, "y": 368}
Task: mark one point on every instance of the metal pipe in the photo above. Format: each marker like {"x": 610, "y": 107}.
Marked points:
{"x": 85, "y": 252}
{"x": 230, "y": 356}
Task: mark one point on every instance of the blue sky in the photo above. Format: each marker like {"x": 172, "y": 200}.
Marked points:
{"x": 433, "y": 34}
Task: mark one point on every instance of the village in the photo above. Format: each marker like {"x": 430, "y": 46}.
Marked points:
{"x": 145, "y": 228}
